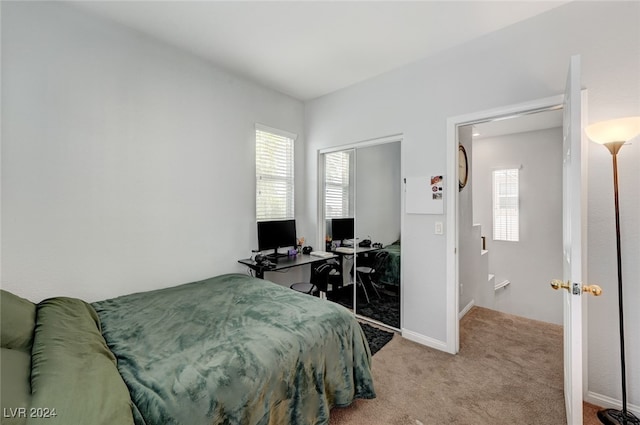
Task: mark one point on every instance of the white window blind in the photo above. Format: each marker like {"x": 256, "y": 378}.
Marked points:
{"x": 337, "y": 198}
{"x": 274, "y": 174}
{"x": 506, "y": 212}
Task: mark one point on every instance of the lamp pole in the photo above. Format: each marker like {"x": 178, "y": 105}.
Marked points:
{"x": 613, "y": 416}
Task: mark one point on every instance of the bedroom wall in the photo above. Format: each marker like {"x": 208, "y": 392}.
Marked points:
{"x": 520, "y": 63}
{"x": 536, "y": 259}
{"x": 127, "y": 164}
{"x": 378, "y": 193}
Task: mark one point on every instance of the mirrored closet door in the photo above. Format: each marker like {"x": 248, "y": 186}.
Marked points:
{"x": 361, "y": 206}
{"x": 377, "y": 218}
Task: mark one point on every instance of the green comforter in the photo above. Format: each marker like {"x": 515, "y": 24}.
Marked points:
{"x": 235, "y": 350}
{"x": 391, "y": 269}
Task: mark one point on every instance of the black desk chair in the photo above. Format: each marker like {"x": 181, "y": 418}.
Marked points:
{"x": 371, "y": 273}
{"x": 320, "y": 276}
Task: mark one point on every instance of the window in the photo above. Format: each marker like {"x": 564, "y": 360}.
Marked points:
{"x": 506, "y": 213}
{"x": 337, "y": 201}
{"x": 274, "y": 174}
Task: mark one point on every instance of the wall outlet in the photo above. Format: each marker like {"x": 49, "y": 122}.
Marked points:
{"x": 438, "y": 229}
{"x": 461, "y": 289}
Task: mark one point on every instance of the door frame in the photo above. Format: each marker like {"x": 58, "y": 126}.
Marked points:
{"x": 451, "y": 190}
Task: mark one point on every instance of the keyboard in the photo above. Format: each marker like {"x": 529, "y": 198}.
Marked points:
{"x": 344, "y": 250}
{"x": 321, "y": 254}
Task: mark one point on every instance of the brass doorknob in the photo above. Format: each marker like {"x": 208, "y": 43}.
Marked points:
{"x": 594, "y": 290}
{"x": 558, "y": 284}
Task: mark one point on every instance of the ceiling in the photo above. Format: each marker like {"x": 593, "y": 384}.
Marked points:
{"x": 308, "y": 49}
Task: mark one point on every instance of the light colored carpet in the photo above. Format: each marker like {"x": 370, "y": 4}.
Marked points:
{"x": 508, "y": 371}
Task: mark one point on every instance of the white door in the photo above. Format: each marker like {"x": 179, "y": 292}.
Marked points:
{"x": 572, "y": 200}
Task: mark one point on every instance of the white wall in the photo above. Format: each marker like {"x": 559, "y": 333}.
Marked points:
{"x": 127, "y": 164}
{"x": 536, "y": 259}
{"x": 378, "y": 192}
{"x": 520, "y": 63}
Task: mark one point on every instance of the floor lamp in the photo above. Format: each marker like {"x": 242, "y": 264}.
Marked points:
{"x": 613, "y": 134}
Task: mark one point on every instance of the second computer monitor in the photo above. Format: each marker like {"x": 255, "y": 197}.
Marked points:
{"x": 342, "y": 228}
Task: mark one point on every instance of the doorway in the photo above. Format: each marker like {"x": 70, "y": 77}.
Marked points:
{"x": 454, "y": 124}
{"x": 510, "y": 216}
{"x": 510, "y": 228}
{"x": 573, "y": 104}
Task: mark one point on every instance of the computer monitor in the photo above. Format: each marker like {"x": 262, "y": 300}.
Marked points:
{"x": 342, "y": 228}
{"x": 276, "y": 234}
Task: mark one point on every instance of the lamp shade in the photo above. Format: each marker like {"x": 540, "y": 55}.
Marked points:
{"x": 618, "y": 130}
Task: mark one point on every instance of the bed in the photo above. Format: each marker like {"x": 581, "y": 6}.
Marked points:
{"x": 391, "y": 269}
{"x": 227, "y": 350}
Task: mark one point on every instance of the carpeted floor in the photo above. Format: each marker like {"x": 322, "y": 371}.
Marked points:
{"x": 508, "y": 371}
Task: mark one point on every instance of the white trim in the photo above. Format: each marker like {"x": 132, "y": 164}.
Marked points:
{"x": 364, "y": 143}
{"x": 377, "y": 323}
{"x": 277, "y": 131}
{"x": 585, "y": 200}
{"x": 424, "y": 340}
{"x": 452, "y": 294}
{"x": 451, "y": 241}
{"x": 402, "y": 215}
{"x": 355, "y": 232}
{"x": 320, "y": 242}
{"x": 466, "y": 309}
{"x": 609, "y": 403}
{"x": 508, "y": 111}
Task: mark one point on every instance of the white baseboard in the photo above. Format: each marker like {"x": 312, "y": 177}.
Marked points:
{"x": 609, "y": 403}
{"x": 466, "y": 309}
{"x": 424, "y": 340}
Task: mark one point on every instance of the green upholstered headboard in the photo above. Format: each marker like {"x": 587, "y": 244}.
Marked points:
{"x": 17, "y": 324}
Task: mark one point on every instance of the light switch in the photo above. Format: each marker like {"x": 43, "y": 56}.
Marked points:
{"x": 438, "y": 230}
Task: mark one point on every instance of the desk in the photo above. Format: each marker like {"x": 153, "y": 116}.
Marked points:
{"x": 358, "y": 251}
{"x": 283, "y": 263}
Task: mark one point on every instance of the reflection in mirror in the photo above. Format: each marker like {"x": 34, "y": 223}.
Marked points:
{"x": 377, "y": 218}
{"x": 338, "y": 195}
{"x": 361, "y": 196}
{"x": 338, "y": 225}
